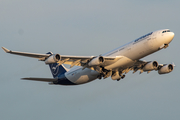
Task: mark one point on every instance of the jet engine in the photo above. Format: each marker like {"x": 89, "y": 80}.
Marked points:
{"x": 96, "y": 61}
{"x": 150, "y": 66}
{"x": 53, "y": 59}
{"x": 166, "y": 69}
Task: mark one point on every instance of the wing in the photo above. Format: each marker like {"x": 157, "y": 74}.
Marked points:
{"x": 144, "y": 66}
{"x": 140, "y": 64}
{"x": 34, "y": 55}
{"x": 74, "y": 60}
{"x": 85, "y": 61}
{"x": 65, "y": 59}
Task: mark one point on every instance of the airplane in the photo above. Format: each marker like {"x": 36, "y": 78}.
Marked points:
{"x": 115, "y": 63}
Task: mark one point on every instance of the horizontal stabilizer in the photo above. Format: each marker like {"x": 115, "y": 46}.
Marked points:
{"x": 41, "y": 79}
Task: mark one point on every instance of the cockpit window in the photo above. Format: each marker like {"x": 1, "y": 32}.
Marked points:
{"x": 165, "y": 31}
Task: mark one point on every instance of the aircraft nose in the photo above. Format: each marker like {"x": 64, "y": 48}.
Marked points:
{"x": 171, "y": 35}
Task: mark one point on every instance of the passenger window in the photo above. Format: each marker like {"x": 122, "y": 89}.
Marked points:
{"x": 168, "y": 30}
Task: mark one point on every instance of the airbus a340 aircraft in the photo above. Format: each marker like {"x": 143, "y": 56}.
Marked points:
{"x": 115, "y": 63}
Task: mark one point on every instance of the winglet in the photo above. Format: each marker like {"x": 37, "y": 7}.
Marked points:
{"x": 6, "y": 50}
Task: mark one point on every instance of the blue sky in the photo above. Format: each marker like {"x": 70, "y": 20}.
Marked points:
{"x": 85, "y": 27}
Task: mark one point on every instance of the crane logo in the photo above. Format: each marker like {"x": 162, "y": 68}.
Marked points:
{"x": 55, "y": 69}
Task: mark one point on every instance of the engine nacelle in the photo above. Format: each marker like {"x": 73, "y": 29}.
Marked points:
{"x": 166, "y": 69}
{"x": 53, "y": 59}
{"x": 96, "y": 61}
{"x": 150, "y": 66}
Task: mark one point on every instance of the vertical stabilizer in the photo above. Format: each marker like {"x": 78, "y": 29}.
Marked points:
{"x": 57, "y": 70}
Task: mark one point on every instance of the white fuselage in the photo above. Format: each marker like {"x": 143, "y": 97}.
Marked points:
{"x": 131, "y": 52}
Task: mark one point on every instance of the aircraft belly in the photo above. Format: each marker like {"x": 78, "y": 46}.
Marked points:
{"x": 81, "y": 76}
{"x": 121, "y": 63}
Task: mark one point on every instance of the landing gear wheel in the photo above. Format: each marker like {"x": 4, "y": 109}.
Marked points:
{"x": 118, "y": 79}
{"x": 123, "y": 76}
{"x": 99, "y": 77}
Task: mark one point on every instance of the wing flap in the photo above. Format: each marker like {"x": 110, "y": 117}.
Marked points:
{"x": 41, "y": 79}
{"x": 76, "y": 57}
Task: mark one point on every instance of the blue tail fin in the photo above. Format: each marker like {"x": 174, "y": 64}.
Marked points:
{"x": 57, "y": 69}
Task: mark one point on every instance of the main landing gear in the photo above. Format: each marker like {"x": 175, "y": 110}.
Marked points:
{"x": 104, "y": 73}
{"x": 107, "y": 73}
{"x": 100, "y": 76}
{"x": 122, "y": 77}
